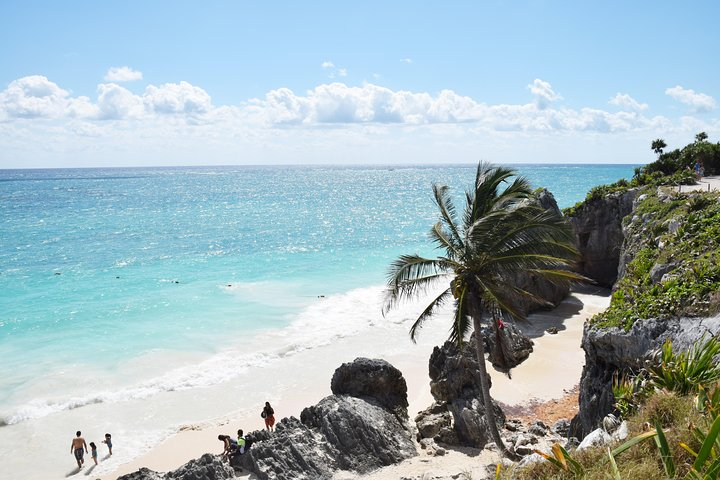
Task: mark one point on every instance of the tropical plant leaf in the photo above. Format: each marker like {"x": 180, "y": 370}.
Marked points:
{"x": 665, "y": 455}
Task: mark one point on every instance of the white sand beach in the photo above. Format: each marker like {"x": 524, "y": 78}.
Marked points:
{"x": 553, "y": 369}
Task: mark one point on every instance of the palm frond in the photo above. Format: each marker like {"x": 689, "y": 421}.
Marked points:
{"x": 445, "y": 241}
{"x": 447, "y": 211}
{"x": 429, "y": 311}
{"x": 410, "y": 276}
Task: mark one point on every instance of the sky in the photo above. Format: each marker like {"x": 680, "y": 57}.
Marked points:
{"x": 151, "y": 83}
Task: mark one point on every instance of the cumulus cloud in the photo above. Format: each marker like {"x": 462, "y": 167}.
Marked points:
{"x": 327, "y": 64}
{"x": 624, "y": 100}
{"x": 544, "y": 94}
{"x": 699, "y": 102}
{"x": 342, "y": 72}
{"x": 122, "y": 74}
{"x": 177, "y": 98}
{"x": 116, "y": 102}
{"x": 406, "y": 60}
{"x": 37, "y": 97}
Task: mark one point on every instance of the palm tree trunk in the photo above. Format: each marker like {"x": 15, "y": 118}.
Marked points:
{"x": 485, "y": 388}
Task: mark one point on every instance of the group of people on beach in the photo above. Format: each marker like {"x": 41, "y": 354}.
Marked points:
{"x": 699, "y": 169}
{"x": 233, "y": 447}
{"x": 79, "y": 448}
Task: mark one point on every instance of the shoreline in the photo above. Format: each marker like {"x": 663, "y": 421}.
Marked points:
{"x": 534, "y": 381}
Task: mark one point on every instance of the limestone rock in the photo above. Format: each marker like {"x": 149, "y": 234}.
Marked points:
{"x": 516, "y": 345}
{"x": 597, "y": 226}
{"x": 207, "y": 467}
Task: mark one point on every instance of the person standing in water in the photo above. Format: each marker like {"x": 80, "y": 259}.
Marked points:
{"x": 269, "y": 415}
{"x": 76, "y": 448}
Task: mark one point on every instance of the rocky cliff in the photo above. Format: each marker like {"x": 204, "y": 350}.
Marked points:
{"x": 597, "y": 225}
{"x": 666, "y": 256}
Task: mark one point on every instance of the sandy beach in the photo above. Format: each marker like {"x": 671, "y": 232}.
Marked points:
{"x": 552, "y": 370}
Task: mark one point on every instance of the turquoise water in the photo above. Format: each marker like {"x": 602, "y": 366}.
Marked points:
{"x": 138, "y": 300}
{"x": 98, "y": 266}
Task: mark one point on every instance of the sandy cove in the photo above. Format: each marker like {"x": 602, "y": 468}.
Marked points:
{"x": 552, "y": 371}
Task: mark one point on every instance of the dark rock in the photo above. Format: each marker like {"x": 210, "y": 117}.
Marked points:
{"x": 658, "y": 270}
{"x": 372, "y": 378}
{"x": 552, "y": 330}
{"x": 561, "y": 427}
{"x": 510, "y": 340}
{"x": 597, "y": 226}
{"x": 433, "y": 420}
{"x": 207, "y": 467}
{"x": 367, "y": 434}
{"x": 538, "y": 428}
{"x": 143, "y": 474}
{"x": 571, "y": 444}
{"x": 523, "y": 450}
{"x": 513, "y": 425}
{"x": 455, "y": 383}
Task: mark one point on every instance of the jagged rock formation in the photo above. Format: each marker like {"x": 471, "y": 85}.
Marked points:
{"x": 597, "y": 225}
{"x": 207, "y": 467}
{"x": 360, "y": 428}
{"x": 458, "y": 416}
{"x": 612, "y": 349}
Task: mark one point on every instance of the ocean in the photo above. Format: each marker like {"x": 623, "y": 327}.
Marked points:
{"x": 126, "y": 293}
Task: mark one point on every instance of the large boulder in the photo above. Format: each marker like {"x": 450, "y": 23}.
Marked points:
{"x": 507, "y": 347}
{"x": 360, "y": 428}
{"x": 376, "y": 379}
{"x": 597, "y": 225}
{"x": 455, "y": 385}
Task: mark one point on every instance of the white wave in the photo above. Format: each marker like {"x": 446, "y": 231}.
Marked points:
{"x": 326, "y": 320}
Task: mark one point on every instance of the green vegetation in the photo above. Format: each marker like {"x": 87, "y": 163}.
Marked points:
{"x": 501, "y": 236}
{"x": 679, "y": 235}
{"x": 671, "y": 168}
{"x": 673, "y": 434}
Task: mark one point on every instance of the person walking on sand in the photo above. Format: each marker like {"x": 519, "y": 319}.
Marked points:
{"x": 108, "y": 442}
{"x": 269, "y": 415}
{"x": 76, "y": 448}
{"x": 93, "y": 452}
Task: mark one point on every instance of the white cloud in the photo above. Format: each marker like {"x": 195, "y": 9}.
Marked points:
{"x": 116, "y": 102}
{"x": 122, "y": 74}
{"x": 177, "y": 98}
{"x": 406, "y": 60}
{"x": 698, "y": 101}
{"x": 625, "y": 100}
{"x": 37, "y": 97}
{"x": 327, "y": 64}
{"x": 544, "y": 94}
{"x": 342, "y": 72}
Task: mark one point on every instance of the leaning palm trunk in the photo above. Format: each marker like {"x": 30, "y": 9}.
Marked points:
{"x": 485, "y": 389}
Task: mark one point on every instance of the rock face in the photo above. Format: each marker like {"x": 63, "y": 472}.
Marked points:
{"x": 551, "y": 293}
{"x": 375, "y": 379}
{"x": 455, "y": 385}
{"x": 597, "y": 226}
{"x": 360, "y": 428}
{"x": 207, "y": 467}
{"x": 612, "y": 349}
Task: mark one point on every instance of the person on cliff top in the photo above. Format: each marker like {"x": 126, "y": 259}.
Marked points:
{"x": 269, "y": 415}
{"x": 230, "y": 447}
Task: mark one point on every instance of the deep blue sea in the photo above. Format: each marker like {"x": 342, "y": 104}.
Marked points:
{"x": 104, "y": 268}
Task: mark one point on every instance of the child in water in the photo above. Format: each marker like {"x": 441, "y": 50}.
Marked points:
{"x": 108, "y": 442}
{"x": 93, "y": 452}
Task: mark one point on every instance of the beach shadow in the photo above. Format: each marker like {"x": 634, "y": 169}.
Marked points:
{"x": 74, "y": 471}
{"x": 540, "y": 321}
{"x": 467, "y": 451}
{"x": 90, "y": 470}
{"x": 106, "y": 457}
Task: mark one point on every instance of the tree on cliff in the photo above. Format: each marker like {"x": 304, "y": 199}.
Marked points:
{"x": 502, "y": 234}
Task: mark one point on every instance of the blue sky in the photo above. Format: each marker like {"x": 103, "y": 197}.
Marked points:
{"x": 163, "y": 83}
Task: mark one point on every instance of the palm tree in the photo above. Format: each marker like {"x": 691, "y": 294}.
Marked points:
{"x": 503, "y": 234}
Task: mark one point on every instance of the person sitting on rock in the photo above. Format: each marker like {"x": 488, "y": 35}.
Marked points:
{"x": 241, "y": 442}
{"x": 230, "y": 447}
